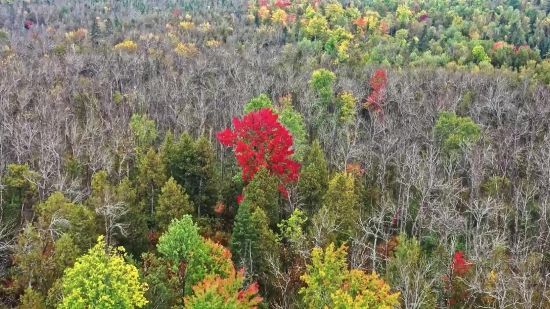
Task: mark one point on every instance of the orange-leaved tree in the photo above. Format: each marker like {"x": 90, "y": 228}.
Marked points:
{"x": 224, "y": 293}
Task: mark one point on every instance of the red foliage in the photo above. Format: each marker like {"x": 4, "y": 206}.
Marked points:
{"x": 227, "y": 290}
{"x": 29, "y": 24}
{"x": 291, "y": 18}
{"x": 239, "y": 199}
{"x": 282, "y": 4}
{"x": 262, "y": 141}
{"x": 518, "y": 48}
{"x": 376, "y": 99}
{"x": 153, "y": 237}
{"x": 423, "y": 18}
{"x": 394, "y": 221}
{"x": 263, "y": 3}
{"x": 360, "y": 22}
{"x": 460, "y": 265}
{"x": 384, "y": 28}
{"x": 498, "y": 45}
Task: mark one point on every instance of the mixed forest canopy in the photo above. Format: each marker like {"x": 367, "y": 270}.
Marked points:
{"x": 274, "y": 154}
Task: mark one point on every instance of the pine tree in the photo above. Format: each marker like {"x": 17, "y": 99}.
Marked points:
{"x": 313, "y": 181}
{"x": 151, "y": 177}
{"x": 173, "y": 203}
{"x": 243, "y": 241}
{"x": 19, "y": 193}
{"x": 342, "y": 203}
{"x": 109, "y": 27}
{"x": 262, "y": 193}
{"x": 181, "y": 160}
{"x": 168, "y": 150}
{"x": 135, "y": 241}
{"x": 192, "y": 164}
{"x": 96, "y": 32}
{"x": 101, "y": 195}
{"x": 423, "y": 42}
{"x": 252, "y": 242}
{"x": 206, "y": 189}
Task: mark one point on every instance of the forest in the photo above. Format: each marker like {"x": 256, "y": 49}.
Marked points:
{"x": 274, "y": 154}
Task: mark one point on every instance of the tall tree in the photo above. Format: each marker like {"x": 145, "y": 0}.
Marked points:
{"x": 330, "y": 285}
{"x": 262, "y": 193}
{"x": 109, "y": 210}
{"x": 173, "y": 203}
{"x": 260, "y": 140}
{"x": 183, "y": 245}
{"x": 192, "y": 164}
{"x": 205, "y": 188}
{"x": 252, "y": 242}
{"x": 151, "y": 177}
{"x": 136, "y": 240}
{"x": 243, "y": 242}
{"x": 412, "y": 273}
{"x": 19, "y": 193}
{"x": 224, "y": 293}
{"x": 313, "y": 181}
{"x": 102, "y": 279}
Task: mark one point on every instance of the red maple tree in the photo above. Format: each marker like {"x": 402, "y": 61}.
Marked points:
{"x": 376, "y": 99}
{"x": 262, "y": 141}
{"x": 282, "y": 4}
{"x": 456, "y": 289}
{"x": 360, "y": 22}
{"x": 460, "y": 265}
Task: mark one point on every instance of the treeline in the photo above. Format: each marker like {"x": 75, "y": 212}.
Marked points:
{"x": 409, "y": 142}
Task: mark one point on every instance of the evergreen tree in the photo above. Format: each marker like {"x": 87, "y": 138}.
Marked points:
{"x": 424, "y": 40}
{"x": 206, "y": 178}
{"x": 19, "y": 193}
{"x": 192, "y": 164}
{"x": 96, "y": 32}
{"x": 252, "y": 242}
{"x": 243, "y": 241}
{"x": 313, "y": 181}
{"x": 151, "y": 177}
{"x": 262, "y": 193}
{"x": 109, "y": 27}
{"x": 342, "y": 203}
{"x": 173, "y": 203}
{"x": 136, "y": 240}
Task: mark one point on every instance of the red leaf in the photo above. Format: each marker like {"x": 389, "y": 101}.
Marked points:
{"x": 260, "y": 140}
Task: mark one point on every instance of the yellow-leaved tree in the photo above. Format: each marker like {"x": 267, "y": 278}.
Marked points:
{"x": 331, "y": 285}
{"x": 102, "y": 279}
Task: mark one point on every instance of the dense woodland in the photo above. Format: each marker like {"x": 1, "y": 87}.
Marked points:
{"x": 274, "y": 154}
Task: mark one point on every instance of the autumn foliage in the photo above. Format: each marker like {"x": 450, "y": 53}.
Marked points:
{"x": 460, "y": 265}
{"x": 262, "y": 141}
{"x": 217, "y": 292}
{"x": 376, "y": 99}
{"x": 456, "y": 289}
